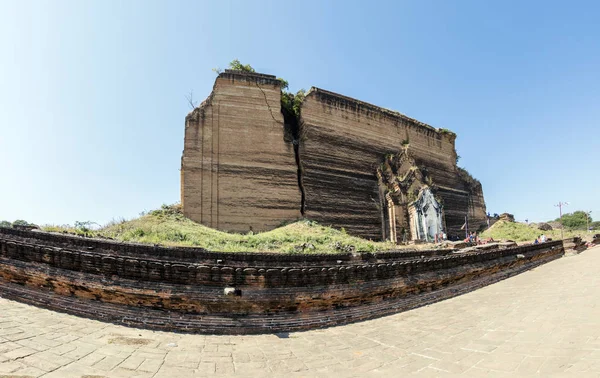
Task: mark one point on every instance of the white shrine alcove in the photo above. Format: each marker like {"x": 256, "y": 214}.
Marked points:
{"x": 426, "y": 216}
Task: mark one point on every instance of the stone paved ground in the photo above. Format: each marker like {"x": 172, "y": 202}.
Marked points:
{"x": 545, "y": 322}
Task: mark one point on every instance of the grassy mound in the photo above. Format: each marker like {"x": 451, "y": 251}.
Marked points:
{"x": 520, "y": 232}
{"x": 168, "y": 226}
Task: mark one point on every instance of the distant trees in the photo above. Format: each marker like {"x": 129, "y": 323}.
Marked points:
{"x": 576, "y": 220}
{"x": 17, "y": 223}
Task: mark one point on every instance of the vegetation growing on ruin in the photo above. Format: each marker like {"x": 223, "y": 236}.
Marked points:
{"x": 447, "y": 132}
{"x": 237, "y": 66}
{"x": 472, "y": 182}
{"x": 168, "y": 226}
{"x": 292, "y": 102}
{"x": 522, "y": 232}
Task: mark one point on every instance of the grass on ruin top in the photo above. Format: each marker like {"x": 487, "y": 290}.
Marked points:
{"x": 167, "y": 226}
{"x": 521, "y": 232}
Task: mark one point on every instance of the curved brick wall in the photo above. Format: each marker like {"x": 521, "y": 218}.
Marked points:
{"x": 183, "y": 288}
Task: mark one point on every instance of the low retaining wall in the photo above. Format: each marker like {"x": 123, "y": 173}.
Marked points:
{"x": 184, "y": 289}
{"x": 573, "y": 246}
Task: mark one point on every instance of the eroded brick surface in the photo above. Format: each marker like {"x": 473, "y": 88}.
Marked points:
{"x": 183, "y": 289}
{"x": 246, "y": 166}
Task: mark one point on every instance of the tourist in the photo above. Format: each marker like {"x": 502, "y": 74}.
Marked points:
{"x": 537, "y": 240}
{"x": 543, "y": 238}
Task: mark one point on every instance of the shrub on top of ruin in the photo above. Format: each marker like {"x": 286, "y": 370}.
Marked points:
{"x": 235, "y": 65}
{"x": 446, "y": 131}
{"x": 292, "y": 102}
{"x": 284, "y": 83}
{"x": 289, "y": 101}
{"x": 238, "y": 66}
{"x": 5, "y": 224}
{"x": 20, "y": 222}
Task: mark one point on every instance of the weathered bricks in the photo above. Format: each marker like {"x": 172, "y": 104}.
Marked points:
{"x": 332, "y": 289}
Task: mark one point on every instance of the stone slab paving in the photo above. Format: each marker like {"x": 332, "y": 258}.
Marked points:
{"x": 545, "y": 322}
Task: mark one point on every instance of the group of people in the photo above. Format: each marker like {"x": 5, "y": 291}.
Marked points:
{"x": 473, "y": 238}
{"x": 439, "y": 238}
{"x": 540, "y": 239}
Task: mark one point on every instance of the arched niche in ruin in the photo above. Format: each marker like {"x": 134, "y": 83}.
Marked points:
{"x": 426, "y": 216}
{"x": 410, "y": 210}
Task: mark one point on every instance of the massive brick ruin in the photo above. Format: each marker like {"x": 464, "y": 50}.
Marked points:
{"x": 377, "y": 173}
{"x": 248, "y": 166}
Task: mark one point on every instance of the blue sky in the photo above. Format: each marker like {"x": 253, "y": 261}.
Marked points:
{"x": 92, "y": 93}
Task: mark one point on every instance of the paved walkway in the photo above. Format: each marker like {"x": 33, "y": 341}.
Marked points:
{"x": 544, "y": 322}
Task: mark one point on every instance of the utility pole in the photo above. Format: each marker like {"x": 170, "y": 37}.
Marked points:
{"x": 587, "y": 220}
{"x": 560, "y": 206}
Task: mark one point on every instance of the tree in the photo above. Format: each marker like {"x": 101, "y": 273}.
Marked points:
{"x": 284, "y": 83}
{"x": 190, "y": 99}
{"x": 575, "y": 220}
{"x": 292, "y": 102}
{"x": 5, "y": 224}
{"x": 20, "y": 222}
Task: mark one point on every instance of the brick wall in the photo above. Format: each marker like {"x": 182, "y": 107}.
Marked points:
{"x": 238, "y": 169}
{"x": 240, "y": 172}
{"x": 146, "y": 286}
{"x": 343, "y": 142}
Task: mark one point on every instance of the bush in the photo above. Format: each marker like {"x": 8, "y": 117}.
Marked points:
{"x": 5, "y": 224}
{"x": 291, "y": 102}
{"x": 174, "y": 211}
{"x": 576, "y": 220}
{"x": 238, "y": 66}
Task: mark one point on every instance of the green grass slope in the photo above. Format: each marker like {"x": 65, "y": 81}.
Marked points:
{"x": 521, "y": 232}
{"x": 168, "y": 226}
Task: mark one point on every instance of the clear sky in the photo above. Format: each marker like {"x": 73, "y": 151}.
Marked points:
{"x": 92, "y": 93}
